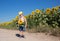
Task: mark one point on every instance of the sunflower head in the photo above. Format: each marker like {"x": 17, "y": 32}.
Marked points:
{"x": 48, "y": 10}
{"x": 16, "y": 17}
{"x": 33, "y": 12}
{"x": 20, "y": 22}
{"x": 38, "y": 11}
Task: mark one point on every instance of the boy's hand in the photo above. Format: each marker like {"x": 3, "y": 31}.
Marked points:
{"x": 16, "y": 22}
{"x": 26, "y": 26}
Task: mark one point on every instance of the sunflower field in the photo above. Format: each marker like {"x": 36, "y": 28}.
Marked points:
{"x": 40, "y": 21}
{"x": 45, "y": 20}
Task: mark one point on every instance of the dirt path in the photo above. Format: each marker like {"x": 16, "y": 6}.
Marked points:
{"x": 10, "y": 35}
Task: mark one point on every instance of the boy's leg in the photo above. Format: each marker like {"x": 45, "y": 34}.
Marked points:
{"x": 21, "y": 33}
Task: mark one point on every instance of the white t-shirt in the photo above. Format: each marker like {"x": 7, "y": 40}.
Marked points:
{"x": 22, "y": 18}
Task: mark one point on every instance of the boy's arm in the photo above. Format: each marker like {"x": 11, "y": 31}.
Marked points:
{"x": 25, "y": 22}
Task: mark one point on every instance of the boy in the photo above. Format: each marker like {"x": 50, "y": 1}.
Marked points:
{"x": 22, "y": 24}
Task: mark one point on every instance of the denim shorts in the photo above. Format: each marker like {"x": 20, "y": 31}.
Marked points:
{"x": 22, "y": 28}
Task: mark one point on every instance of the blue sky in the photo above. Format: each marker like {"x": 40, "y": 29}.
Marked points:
{"x": 10, "y": 8}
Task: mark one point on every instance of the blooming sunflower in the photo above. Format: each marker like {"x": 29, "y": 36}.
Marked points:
{"x": 25, "y": 16}
{"x": 33, "y": 12}
{"x": 30, "y": 16}
{"x": 16, "y": 17}
{"x": 38, "y": 11}
{"x": 53, "y": 9}
{"x": 20, "y": 22}
{"x": 56, "y": 8}
{"x": 48, "y": 10}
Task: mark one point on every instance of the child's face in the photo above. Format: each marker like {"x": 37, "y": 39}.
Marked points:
{"x": 21, "y": 15}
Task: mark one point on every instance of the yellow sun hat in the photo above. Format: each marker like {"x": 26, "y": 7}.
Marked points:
{"x": 20, "y": 13}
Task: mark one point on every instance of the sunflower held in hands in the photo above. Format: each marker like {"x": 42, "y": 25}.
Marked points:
{"x": 20, "y": 22}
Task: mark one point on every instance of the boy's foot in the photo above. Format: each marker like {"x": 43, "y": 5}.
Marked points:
{"x": 17, "y": 35}
{"x": 22, "y": 36}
